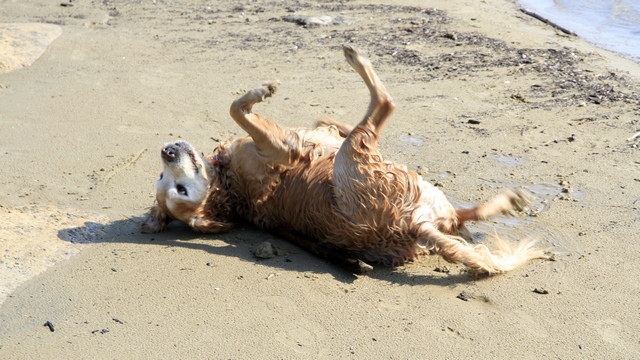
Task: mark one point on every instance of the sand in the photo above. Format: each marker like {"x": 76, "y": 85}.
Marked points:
{"x": 486, "y": 96}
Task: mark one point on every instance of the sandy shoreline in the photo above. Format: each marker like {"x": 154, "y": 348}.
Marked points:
{"x": 81, "y": 127}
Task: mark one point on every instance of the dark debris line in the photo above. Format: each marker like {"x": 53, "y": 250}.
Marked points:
{"x": 386, "y": 30}
{"x": 567, "y": 83}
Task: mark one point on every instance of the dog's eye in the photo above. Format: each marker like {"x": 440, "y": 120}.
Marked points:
{"x": 181, "y": 190}
{"x": 161, "y": 176}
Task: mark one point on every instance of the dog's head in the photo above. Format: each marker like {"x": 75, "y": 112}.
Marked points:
{"x": 181, "y": 190}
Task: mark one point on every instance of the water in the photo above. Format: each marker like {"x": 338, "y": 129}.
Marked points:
{"x": 611, "y": 24}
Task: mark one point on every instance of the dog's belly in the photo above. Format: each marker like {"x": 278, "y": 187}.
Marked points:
{"x": 302, "y": 201}
{"x": 377, "y": 218}
{"x": 305, "y": 200}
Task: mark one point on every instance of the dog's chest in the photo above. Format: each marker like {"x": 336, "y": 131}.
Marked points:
{"x": 300, "y": 197}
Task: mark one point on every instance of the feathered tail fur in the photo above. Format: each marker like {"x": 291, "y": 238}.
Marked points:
{"x": 479, "y": 257}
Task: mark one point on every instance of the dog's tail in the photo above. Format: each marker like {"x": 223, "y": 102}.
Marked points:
{"x": 478, "y": 257}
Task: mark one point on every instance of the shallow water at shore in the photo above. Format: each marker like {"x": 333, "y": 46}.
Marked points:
{"x": 611, "y": 24}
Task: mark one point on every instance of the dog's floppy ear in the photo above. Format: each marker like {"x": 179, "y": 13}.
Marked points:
{"x": 199, "y": 223}
{"x": 156, "y": 221}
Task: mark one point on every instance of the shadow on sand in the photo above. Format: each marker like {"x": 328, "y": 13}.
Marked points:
{"x": 239, "y": 243}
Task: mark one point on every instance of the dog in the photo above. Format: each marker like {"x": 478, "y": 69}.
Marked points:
{"x": 327, "y": 189}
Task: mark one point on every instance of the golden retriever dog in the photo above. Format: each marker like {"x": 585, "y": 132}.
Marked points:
{"x": 328, "y": 190}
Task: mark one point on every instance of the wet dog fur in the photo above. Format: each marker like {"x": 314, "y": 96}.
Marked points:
{"x": 327, "y": 189}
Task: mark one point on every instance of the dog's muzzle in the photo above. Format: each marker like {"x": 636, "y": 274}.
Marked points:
{"x": 171, "y": 152}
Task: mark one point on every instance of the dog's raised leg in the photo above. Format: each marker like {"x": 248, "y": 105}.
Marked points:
{"x": 360, "y": 176}
{"x": 267, "y": 135}
{"x": 506, "y": 203}
{"x": 361, "y": 144}
{"x": 381, "y": 105}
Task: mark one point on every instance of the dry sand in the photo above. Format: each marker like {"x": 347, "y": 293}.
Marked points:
{"x": 487, "y": 97}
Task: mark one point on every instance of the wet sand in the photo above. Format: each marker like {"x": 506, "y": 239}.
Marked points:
{"x": 486, "y": 98}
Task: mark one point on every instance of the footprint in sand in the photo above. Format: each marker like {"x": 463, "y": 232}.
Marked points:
{"x": 395, "y": 301}
{"x": 22, "y": 44}
{"x": 297, "y": 338}
{"x": 527, "y": 323}
{"x": 295, "y": 331}
{"x": 613, "y": 331}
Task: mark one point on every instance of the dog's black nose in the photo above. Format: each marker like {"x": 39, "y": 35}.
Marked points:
{"x": 169, "y": 152}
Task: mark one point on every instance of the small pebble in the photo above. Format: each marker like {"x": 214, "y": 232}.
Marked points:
{"x": 50, "y": 326}
{"x": 264, "y": 250}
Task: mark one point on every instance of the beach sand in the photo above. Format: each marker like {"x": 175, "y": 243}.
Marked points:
{"x": 486, "y": 97}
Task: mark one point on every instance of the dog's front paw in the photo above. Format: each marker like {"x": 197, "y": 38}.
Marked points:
{"x": 204, "y": 225}
{"x": 268, "y": 89}
{"x": 258, "y": 95}
{"x": 155, "y": 222}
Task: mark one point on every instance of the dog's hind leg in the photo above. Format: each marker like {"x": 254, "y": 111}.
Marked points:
{"x": 272, "y": 141}
{"x": 506, "y": 203}
{"x": 479, "y": 258}
{"x": 381, "y": 105}
{"x": 362, "y": 180}
{"x": 361, "y": 145}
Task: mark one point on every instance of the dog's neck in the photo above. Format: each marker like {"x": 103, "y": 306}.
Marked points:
{"x": 222, "y": 203}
